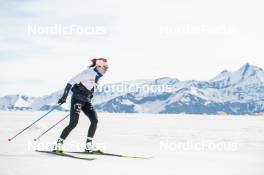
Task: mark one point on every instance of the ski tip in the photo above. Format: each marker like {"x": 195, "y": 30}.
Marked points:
{"x": 9, "y": 140}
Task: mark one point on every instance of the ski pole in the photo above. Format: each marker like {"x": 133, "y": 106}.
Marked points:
{"x": 51, "y": 127}
{"x": 10, "y": 139}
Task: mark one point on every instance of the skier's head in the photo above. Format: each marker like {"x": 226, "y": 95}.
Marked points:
{"x": 101, "y": 64}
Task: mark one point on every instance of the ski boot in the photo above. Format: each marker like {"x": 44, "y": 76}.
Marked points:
{"x": 58, "y": 147}
{"x": 91, "y": 148}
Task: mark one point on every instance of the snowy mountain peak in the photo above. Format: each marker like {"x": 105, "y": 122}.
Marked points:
{"x": 247, "y": 69}
{"x": 223, "y": 75}
{"x": 22, "y": 102}
{"x": 248, "y": 74}
{"x": 19, "y": 102}
{"x": 224, "y": 72}
{"x": 166, "y": 80}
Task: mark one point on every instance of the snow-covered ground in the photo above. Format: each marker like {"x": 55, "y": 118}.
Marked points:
{"x": 178, "y": 144}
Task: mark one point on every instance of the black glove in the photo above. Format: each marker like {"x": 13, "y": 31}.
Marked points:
{"x": 65, "y": 94}
{"x": 62, "y": 100}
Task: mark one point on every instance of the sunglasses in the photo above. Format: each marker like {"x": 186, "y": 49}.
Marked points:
{"x": 105, "y": 68}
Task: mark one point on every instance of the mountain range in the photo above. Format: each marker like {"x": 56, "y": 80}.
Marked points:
{"x": 238, "y": 93}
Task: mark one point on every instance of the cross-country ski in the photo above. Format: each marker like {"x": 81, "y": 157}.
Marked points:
{"x": 62, "y": 154}
{"x": 109, "y": 154}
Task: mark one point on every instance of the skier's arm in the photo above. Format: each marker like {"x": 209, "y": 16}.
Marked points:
{"x": 65, "y": 94}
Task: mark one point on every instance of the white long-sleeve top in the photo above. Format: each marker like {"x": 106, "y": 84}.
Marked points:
{"x": 86, "y": 78}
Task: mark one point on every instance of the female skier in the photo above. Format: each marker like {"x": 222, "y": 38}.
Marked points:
{"x": 82, "y": 87}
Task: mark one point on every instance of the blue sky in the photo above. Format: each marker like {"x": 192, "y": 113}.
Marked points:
{"x": 142, "y": 39}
